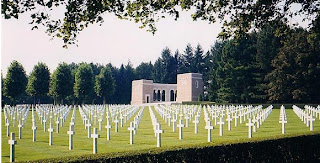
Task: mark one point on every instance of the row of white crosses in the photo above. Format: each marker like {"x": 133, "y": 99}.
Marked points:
{"x": 156, "y": 127}
{"x": 134, "y": 125}
{"x": 305, "y": 115}
{"x": 258, "y": 120}
{"x": 18, "y": 113}
{"x": 283, "y": 118}
{"x": 314, "y": 111}
{"x": 208, "y": 123}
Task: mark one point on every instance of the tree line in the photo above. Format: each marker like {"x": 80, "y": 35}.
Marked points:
{"x": 264, "y": 66}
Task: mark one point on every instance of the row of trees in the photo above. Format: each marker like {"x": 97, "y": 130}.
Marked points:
{"x": 263, "y": 66}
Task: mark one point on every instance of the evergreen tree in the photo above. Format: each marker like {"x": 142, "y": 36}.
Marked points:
{"x": 83, "y": 86}
{"x": 104, "y": 84}
{"x": 296, "y": 70}
{"x": 61, "y": 85}
{"x": 144, "y": 71}
{"x": 38, "y": 81}
{"x": 188, "y": 58}
{"x": 15, "y": 81}
{"x": 197, "y": 63}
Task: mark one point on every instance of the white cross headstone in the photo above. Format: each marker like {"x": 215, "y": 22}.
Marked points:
{"x": 44, "y": 125}
{"x": 196, "y": 122}
{"x": 34, "y": 131}
{"x": 250, "y": 124}
{"x": 108, "y": 127}
{"x": 209, "y": 128}
{"x": 158, "y": 132}
{"x": 187, "y": 120}
{"x": 12, "y": 142}
{"x": 221, "y": 123}
{"x": 180, "y": 126}
{"x": 116, "y": 124}
{"x": 89, "y": 129}
{"x": 57, "y": 122}
{"x": 311, "y": 119}
{"x": 131, "y": 129}
{"x": 8, "y": 127}
{"x": 283, "y": 122}
{"x": 121, "y": 121}
{"x": 229, "y": 119}
{"x": 20, "y": 129}
{"x": 174, "y": 120}
{"x": 50, "y": 134}
{"x": 215, "y": 118}
{"x": 236, "y": 120}
{"x": 100, "y": 124}
{"x": 95, "y": 137}
{"x": 71, "y": 133}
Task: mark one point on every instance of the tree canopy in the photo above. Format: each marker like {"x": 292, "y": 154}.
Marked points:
{"x": 15, "y": 81}
{"x": 238, "y": 17}
{"x": 38, "y": 81}
{"x": 61, "y": 84}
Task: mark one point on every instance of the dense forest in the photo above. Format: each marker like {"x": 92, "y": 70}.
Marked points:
{"x": 264, "y": 66}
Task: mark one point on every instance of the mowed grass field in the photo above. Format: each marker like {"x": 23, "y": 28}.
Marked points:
{"x": 144, "y": 139}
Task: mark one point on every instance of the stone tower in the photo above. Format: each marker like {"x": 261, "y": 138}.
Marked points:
{"x": 189, "y": 86}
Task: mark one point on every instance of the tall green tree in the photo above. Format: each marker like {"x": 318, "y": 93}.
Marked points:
{"x": 296, "y": 70}
{"x": 61, "y": 85}
{"x": 38, "y": 81}
{"x": 144, "y": 71}
{"x": 197, "y": 63}
{"x": 83, "y": 86}
{"x": 188, "y": 58}
{"x": 15, "y": 81}
{"x": 104, "y": 84}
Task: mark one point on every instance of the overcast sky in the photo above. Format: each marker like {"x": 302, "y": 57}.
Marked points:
{"x": 116, "y": 41}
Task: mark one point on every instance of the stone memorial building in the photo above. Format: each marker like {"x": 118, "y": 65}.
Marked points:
{"x": 188, "y": 88}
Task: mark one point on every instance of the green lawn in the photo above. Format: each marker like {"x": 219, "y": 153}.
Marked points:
{"x": 144, "y": 139}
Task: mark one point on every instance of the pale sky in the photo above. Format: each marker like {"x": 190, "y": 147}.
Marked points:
{"x": 116, "y": 41}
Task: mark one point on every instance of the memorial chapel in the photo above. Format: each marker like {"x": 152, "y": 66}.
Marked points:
{"x": 188, "y": 88}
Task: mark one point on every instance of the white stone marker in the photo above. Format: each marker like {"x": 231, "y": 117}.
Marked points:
{"x": 131, "y": 129}
{"x": 180, "y": 126}
{"x": 20, "y": 129}
{"x": 95, "y": 137}
{"x": 209, "y": 128}
{"x": 8, "y": 127}
{"x": 108, "y": 127}
{"x": 229, "y": 119}
{"x": 71, "y": 133}
{"x": 89, "y": 129}
{"x": 44, "y": 125}
{"x": 116, "y": 124}
{"x": 196, "y": 122}
{"x": 121, "y": 121}
{"x": 250, "y": 124}
{"x": 158, "y": 132}
{"x": 100, "y": 124}
{"x": 50, "y": 134}
{"x": 174, "y": 120}
{"x": 221, "y": 123}
{"x": 311, "y": 119}
{"x": 283, "y": 122}
{"x": 12, "y": 142}
{"x": 215, "y": 118}
{"x": 34, "y": 131}
{"x": 236, "y": 120}
{"x": 57, "y": 122}
{"x": 187, "y": 120}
